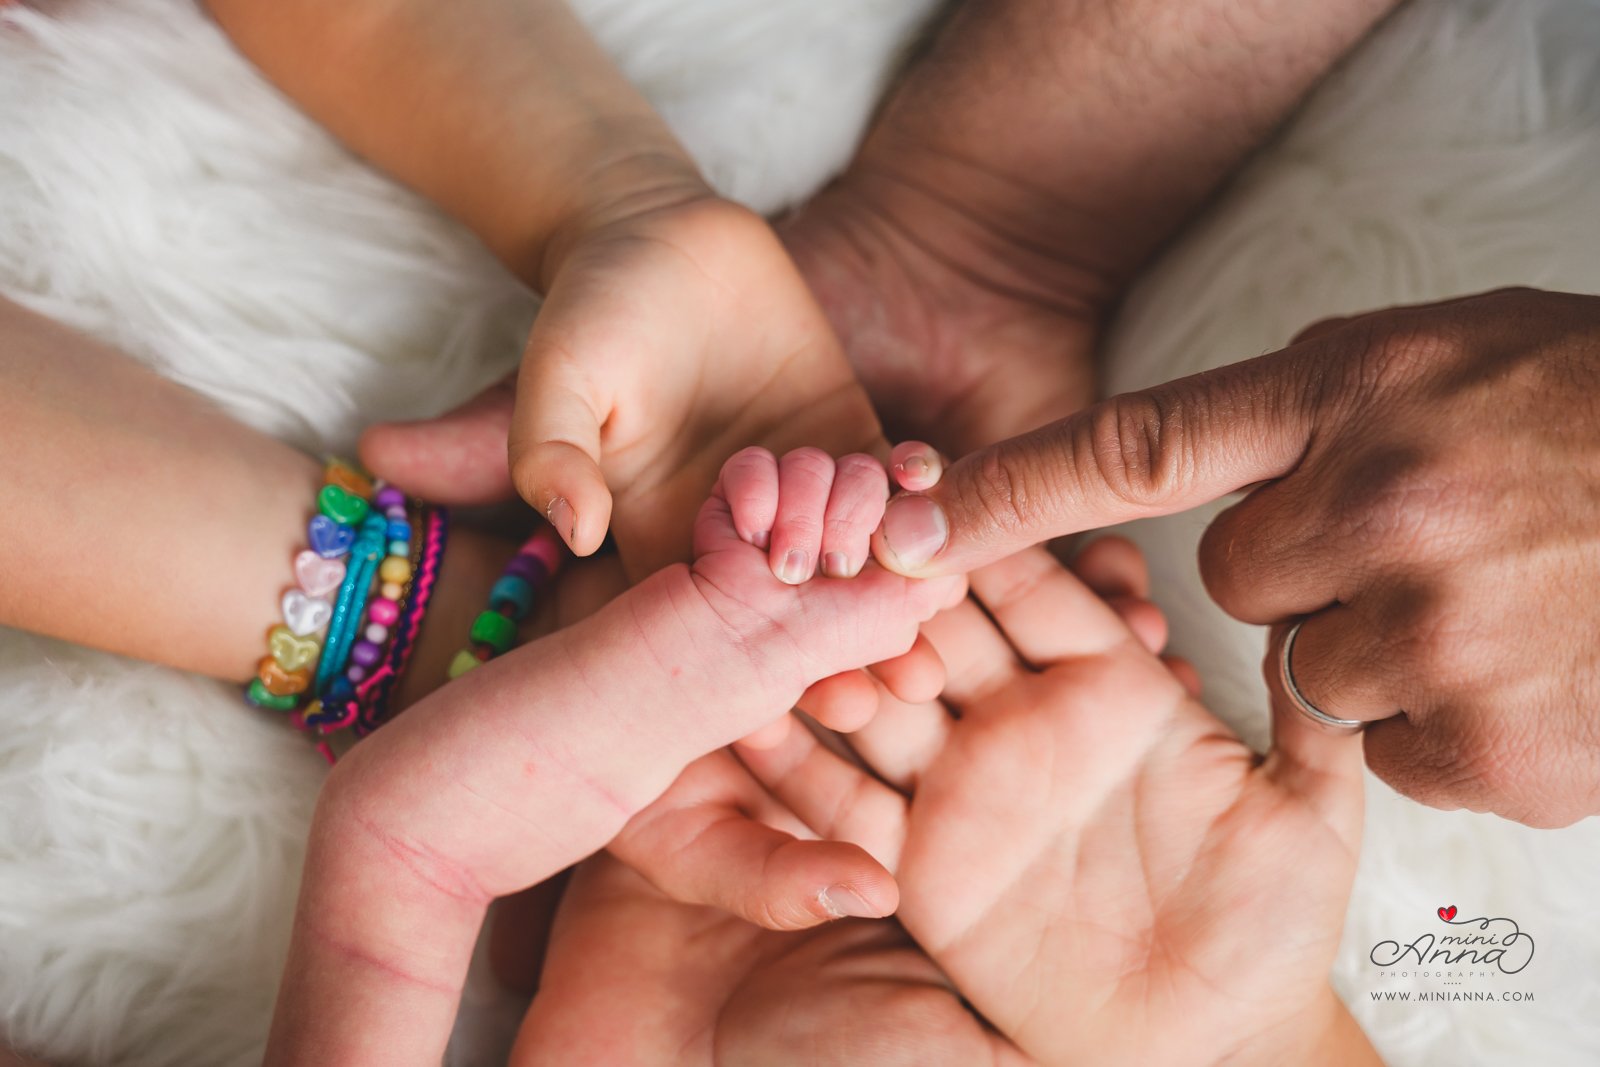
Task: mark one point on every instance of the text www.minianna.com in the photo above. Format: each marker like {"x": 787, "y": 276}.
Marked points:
{"x": 1451, "y": 997}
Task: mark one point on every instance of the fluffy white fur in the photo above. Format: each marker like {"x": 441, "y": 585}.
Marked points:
{"x": 156, "y": 193}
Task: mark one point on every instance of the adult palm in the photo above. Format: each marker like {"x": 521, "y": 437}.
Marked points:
{"x": 1101, "y": 866}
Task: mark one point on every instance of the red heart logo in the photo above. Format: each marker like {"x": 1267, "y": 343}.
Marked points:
{"x": 1447, "y": 913}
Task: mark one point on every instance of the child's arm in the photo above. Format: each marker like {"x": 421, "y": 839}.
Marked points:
{"x": 142, "y": 520}
{"x": 675, "y": 327}
{"x": 538, "y": 759}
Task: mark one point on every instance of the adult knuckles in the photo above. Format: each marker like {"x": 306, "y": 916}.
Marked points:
{"x": 1138, "y": 451}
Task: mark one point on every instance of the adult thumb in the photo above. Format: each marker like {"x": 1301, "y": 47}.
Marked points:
{"x": 455, "y": 458}
{"x": 1153, "y": 452}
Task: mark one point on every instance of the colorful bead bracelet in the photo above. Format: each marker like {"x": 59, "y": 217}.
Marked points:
{"x": 511, "y": 600}
{"x": 294, "y": 647}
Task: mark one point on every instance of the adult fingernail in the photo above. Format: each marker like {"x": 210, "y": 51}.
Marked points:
{"x": 563, "y": 518}
{"x": 796, "y": 567}
{"x": 914, "y": 530}
{"x": 842, "y": 902}
{"x": 836, "y": 565}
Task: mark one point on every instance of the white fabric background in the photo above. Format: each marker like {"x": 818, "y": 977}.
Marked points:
{"x": 156, "y": 193}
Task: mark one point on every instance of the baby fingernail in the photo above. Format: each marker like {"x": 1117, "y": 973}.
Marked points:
{"x": 796, "y": 567}
{"x": 761, "y": 538}
{"x": 836, "y": 565}
{"x": 842, "y": 902}
{"x": 919, "y": 471}
{"x": 914, "y": 530}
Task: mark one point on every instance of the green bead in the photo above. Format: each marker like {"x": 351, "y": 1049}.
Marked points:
{"x": 341, "y": 505}
{"x": 464, "y": 662}
{"x": 494, "y": 630}
{"x": 257, "y": 694}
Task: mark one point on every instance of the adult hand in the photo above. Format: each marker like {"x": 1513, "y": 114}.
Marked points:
{"x": 1428, "y": 508}
{"x": 1105, "y": 871}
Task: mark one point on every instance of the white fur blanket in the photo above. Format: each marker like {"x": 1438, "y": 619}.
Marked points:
{"x": 155, "y": 192}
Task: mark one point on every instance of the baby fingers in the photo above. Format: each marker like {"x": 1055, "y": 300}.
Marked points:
{"x": 811, "y": 511}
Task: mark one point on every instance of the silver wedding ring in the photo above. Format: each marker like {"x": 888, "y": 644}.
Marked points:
{"x": 1308, "y": 709}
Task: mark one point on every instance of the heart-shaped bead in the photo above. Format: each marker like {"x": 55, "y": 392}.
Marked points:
{"x": 305, "y": 614}
{"x": 280, "y": 682}
{"x": 341, "y": 505}
{"x": 291, "y": 651}
{"x": 330, "y": 539}
{"x": 318, "y": 576}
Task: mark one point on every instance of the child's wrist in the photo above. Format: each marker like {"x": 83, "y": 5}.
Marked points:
{"x": 614, "y": 186}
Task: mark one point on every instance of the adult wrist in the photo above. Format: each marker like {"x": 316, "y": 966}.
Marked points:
{"x": 997, "y": 228}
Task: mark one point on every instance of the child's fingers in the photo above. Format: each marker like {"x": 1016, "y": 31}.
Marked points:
{"x": 700, "y": 844}
{"x": 805, "y": 480}
{"x": 749, "y": 483}
{"x": 1186, "y": 674}
{"x": 843, "y": 702}
{"x": 554, "y": 443}
{"x": 1144, "y": 618}
{"x": 838, "y": 800}
{"x": 917, "y": 676}
{"x": 855, "y": 507}
{"x": 976, "y": 657}
{"x": 1046, "y": 613}
{"x": 902, "y": 740}
{"x": 770, "y": 735}
{"x": 1113, "y": 566}
{"x": 916, "y": 466}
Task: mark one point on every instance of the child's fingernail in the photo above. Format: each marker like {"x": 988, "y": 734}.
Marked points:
{"x": 842, "y": 902}
{"x": 761, "y": 538}
{"x": 914, "y": 530}
{"x": 563, "y": 518}
{"x": 836, "y": 565}
{"x": 796, "y": 567}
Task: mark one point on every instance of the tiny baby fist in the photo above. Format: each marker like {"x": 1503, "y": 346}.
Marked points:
{"x": 808, "y": 510}
{"x": 807, "y": 507}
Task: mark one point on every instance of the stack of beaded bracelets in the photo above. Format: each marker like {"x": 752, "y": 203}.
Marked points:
{"x": 511, "y": 600}
{"x": 317, "y": 650}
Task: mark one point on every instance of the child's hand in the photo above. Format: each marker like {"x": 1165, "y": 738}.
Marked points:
{"x": 668, "y": 339}
{"x": 634, "y": 977}
{"x": 538, "y": 758}
{"x": 1089, "y": 855}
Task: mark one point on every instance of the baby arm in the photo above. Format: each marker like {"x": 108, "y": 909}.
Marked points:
{"x": 540, "y": 757}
